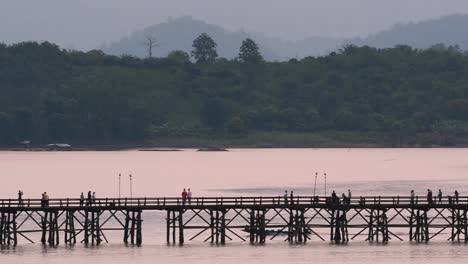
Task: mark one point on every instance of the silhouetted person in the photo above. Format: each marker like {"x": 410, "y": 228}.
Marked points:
{"x": 94, "y": 197}
{"x": 20, "y": 198}
{"x": 81, "y": 199}
{"x": 335, "y": 198}
{"x": 292, "y": 197}
{"x": 90, "y": 199}
{"x": 184, "y": 197}
{"x": 46, "y": 199}
{"x": 189, "y": 196}
{"x": 43, "y": 199}
{"x": 456, "y": 196}
{"x": 412, "y": 196}
{"x": 349, "y": 196}
{"x": 429, "y": 197}
{"x": 345, "y": 199}
{"x": 286, "y": 197}
{"x": 439, "y": 196}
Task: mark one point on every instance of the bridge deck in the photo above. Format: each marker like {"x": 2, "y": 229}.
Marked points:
{"x": 218, "y": 219}
{"x": 165, "y": 203}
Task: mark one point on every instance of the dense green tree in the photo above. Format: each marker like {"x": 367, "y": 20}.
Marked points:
{"x": 214, "y": 113}
{"x": 179, "y": 55}
{"x": 249, "y": 52}
{"x": 5, "y": 128}
{"x": 204, "y": 49}
{"x": 400, "y": 96}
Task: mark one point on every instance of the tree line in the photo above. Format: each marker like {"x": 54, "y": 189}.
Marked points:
{"x": 400, "y": 95}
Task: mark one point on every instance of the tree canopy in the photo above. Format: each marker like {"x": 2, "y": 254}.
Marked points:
{"x": 398, "y": 96}
{"x": 249, "y": 52}
{"x": 204, "y": 49}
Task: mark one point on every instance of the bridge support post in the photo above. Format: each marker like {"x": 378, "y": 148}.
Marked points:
{"x": 339, "y": 226}
{"x": 70, "y": 233}
{"x": 297, "y": 229}
{"x": 50, "y": 228}
{"x": 257, "y": 226}
{"x": 174, "y": 221}
{"x": 92, "y": 228}
{"x": 419, "y": 227}
{"x": 133, "y": 227}
{"x": 459, "y": 225}
{"x": 378, "y": 226}
{"x": 53, "y": 239}
{"x": 8, "y": 229}
{"x": 218, "y": 226}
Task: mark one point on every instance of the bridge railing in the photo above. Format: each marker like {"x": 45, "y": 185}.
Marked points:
{"x": 234, "y": 201}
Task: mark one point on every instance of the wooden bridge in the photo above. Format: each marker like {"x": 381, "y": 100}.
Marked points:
{"x": 222, "y": 219}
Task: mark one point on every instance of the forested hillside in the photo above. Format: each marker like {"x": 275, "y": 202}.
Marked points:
{"x": 397, "y": 96}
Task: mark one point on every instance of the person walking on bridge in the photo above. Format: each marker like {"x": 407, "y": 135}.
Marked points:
{"x": 81, "y": 199}
{"x": 430, "y": 201}
{"x": 345, "y": 199}
{"x": 286, "y": 197}
{"x": 184, "y": 196}
{"x": 20, "y": 198}
{"x": 412, "y": 197}
{"x": 46, "y": 199}
{"x": 189, "y": 196}
{"x": 456, "y": 196}
{"x": 291, "y": 194}
{"x": 89, "y": 200}
{"x": 94, "y": 197}
{"x": 43, "y": 199}
{"x": 349, "y": 196}
{"x": 439, "y": 196}
{"x": 334, "y": 197}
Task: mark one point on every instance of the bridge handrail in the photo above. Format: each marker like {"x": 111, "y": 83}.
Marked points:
{"x": 231, "y": 200}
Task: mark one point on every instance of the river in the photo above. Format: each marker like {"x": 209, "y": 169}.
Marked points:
{"x": 237, "y": 172}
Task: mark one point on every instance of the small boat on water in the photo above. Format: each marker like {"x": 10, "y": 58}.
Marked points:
{"x": 269, "y": 232}
{"x": 212, "y": 149}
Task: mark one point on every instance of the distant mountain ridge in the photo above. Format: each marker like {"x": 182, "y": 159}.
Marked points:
{"x": 179, "y": 33}
{"x": 449, "y": 30}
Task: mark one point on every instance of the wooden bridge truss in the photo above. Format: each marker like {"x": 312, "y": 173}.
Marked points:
{"x": 249, "y": 219}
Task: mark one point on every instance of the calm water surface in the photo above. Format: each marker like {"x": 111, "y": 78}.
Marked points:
{"x": 238, "y": 172}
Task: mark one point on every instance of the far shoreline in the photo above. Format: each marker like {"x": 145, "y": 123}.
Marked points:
{"x": 257, "y": 140}
{"x": 172, "y": 148}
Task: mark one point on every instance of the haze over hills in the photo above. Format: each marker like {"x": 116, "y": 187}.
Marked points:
{"x": 449, "y": 30}
{"x": 178, "y": 34}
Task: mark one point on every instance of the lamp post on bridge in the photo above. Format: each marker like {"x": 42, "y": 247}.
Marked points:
{"x": 315, "y": 183}
{"x": 120, "y": 175}
{"x": 131, "y": 187}
{"x": 325, "y": 177}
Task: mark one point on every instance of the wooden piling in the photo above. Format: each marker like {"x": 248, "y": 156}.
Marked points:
{"x": 168, "y": 227}
{"x": 181, "y": 228}
{"x": 127, "y": 223}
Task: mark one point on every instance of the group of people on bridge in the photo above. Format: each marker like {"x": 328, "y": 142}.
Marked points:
{"x": 186, "y": 197}
{"x": 44, "y": 199}
{"x": 431, "y": 200}
{"x": 91, "y": 198}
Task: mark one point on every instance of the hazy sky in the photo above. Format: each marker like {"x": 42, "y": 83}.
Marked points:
{"x": 85, "y": 24}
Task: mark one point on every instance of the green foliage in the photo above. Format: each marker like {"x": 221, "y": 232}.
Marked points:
{"x": 179, "y": 55}
{"x": 204, "y": 49}
{"x": 249, "y": 52}
{"x": 397, "y": 95}
{"x": 213, "y": 113}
